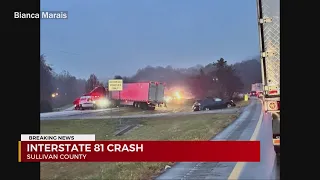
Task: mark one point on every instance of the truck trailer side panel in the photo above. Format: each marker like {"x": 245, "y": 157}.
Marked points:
{"x": 269, "y": 14}
{"x": 139, "y": 92}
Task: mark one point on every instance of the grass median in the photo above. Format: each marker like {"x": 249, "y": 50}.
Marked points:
{"x": 190, "y": 127}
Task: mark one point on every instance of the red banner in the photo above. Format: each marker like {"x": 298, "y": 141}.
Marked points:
{"x": 139, "y": 151}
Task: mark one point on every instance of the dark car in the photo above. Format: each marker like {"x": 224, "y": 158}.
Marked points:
{"x": 212, "y": 103}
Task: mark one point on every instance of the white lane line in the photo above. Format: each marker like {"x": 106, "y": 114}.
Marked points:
{"x": 239, "y": 166}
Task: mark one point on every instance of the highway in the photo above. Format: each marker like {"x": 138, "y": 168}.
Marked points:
{"x": 96, "y": 114}
{"x": 251, "y": 125}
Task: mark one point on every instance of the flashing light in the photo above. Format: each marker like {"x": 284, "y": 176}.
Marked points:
{"x": 53, "y": 95}
{"x": 102, "y": 102}
{"x": 178, "y": 95}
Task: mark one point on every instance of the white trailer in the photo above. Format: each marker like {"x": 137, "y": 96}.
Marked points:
{"x": 269, "y": 34}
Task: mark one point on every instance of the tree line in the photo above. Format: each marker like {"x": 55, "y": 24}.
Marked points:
{"x": 58, "y": 90}
{"x": 218, "y": 78}
{"x": 215, "y": 79}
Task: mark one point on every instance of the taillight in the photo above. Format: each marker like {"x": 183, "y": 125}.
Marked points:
{"x": 273, "y": 92}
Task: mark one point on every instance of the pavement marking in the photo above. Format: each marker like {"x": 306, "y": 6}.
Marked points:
{"x": 239, "y": 166}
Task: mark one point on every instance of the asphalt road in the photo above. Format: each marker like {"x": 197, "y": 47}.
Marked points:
{"x": 242, "y": 129}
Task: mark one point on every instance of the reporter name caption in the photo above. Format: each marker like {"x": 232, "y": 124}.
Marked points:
{"x": 41, "y": 15}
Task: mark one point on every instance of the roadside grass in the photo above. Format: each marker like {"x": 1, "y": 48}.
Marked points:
{"x": 242, "y": 103}
{"x": 190, "y": 127}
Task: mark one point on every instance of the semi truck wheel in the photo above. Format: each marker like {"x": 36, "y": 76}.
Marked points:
{"x": 144, "y": 106}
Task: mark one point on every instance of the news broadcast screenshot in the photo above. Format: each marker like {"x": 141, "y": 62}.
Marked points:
{"x": 155, "y": 89}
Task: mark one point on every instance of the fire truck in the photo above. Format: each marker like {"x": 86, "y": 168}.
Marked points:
{"x": 269, "y": 35}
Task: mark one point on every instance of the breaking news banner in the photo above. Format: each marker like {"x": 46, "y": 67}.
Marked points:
{"x": 84, "y": 148}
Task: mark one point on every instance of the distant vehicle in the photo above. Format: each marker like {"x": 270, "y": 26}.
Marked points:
{"x": 253, "y": 94}
{"x": 212, "y": 103}
{"x": 258, "y": 89}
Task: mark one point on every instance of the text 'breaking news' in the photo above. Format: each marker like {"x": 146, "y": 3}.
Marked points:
{"x": 42, "y": 15}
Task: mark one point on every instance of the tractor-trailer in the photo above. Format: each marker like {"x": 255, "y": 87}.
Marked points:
{"x": 144, "y": 95}
{"x": 258, "y": 87}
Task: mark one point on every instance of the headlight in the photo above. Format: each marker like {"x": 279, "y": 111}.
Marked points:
{"x": 102, "y": 102}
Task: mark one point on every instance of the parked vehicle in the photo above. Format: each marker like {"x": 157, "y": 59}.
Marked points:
{"x": 212, "y": 103}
